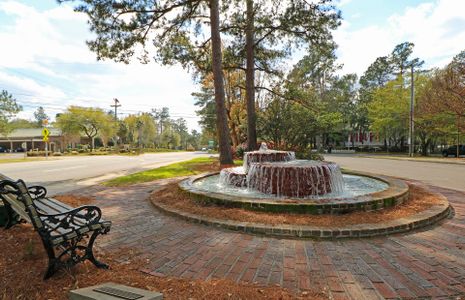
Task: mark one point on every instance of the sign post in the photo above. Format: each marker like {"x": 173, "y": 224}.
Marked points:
{"x": 45, "y": 134}
{"x": 24, "y": 146}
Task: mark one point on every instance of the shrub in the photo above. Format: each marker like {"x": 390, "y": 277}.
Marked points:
{"x": 309, "y": 155}
{"x": 98, "y": 153}
{"x": 240, "y": 152}
{"x": 57, "y": 154}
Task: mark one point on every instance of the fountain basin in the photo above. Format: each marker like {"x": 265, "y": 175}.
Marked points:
{"x": 394, "y": 193}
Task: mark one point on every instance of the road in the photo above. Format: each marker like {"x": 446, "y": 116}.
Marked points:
{"x": 68, "y": 173}
{"x": 450, "y": 176}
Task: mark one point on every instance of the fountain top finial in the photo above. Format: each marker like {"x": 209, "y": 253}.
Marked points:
{"x": 263, "y": 147}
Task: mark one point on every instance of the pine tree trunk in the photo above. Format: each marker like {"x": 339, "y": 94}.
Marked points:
{"x": 250, "y": 80}
{"x": 221, "y": 118}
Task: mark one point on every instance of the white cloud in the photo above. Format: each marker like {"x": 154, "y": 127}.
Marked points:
{"x": 47, "y": 62}
{"x": 342, "y": 3}
{"x": 437, "y": 29}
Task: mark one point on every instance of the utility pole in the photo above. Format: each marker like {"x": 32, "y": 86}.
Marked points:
{"x": 116, "y": 105}
{"x": 411, "y": 128}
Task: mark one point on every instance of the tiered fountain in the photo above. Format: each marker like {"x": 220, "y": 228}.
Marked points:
{"x": 279, "y": 173}
{"x": 275, "y": 181}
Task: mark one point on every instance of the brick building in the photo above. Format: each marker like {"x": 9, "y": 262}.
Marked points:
{"x": 33, "y": 139}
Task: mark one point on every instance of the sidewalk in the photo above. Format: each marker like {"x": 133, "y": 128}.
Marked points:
{"x": 429, "y": 263}
{"x": 442, "y": 160}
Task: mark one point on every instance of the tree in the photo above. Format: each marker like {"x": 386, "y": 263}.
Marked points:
{"x": 389, "y": 112}
{"x": 250, "y": 78}
{"x": 194, "y": 139}
{"x": 22, "y": 123}
{"x": 40, "y": 116}
{"x": 170, "y": 139}
{"x": 84, "y": 120}
{"x": 162, "y": 117}
{"x": 175, "y": 28}
{"x": 108, "y": 130}
{"x": 272, "y": 29}
{"x": 8, "y": 109}
{"x": 447, "y": 92}
{"x": 235, "y": 105}
{"x": 400, "y": 58}
{"x": 180, "y": 127}
{"x": 313, "y": 105}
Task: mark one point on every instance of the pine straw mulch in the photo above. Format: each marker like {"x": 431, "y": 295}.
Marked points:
{"x": 74, "y": 200}
{"x": 23, "y": 262}
{"x": 420, "y": 199}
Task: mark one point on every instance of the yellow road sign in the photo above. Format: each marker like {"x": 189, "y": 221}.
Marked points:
{"x": 45, "y": 132}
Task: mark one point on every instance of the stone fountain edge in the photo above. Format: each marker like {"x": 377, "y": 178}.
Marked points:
{"x": 420, "y": 220}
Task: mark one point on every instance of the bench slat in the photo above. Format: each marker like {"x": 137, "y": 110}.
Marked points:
{"x": 59, "y": 204}
{"x": 17, "y": 206}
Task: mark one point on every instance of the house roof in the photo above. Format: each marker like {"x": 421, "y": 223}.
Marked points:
{"x": 31, "y": 132}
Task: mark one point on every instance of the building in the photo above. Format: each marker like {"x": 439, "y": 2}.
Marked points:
{"x": 33, "y": 139}
{"x": 363, "y": 139}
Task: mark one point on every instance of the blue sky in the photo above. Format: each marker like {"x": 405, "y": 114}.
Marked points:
{"x": 46, "y": 62}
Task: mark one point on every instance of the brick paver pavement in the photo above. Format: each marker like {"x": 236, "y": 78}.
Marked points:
{"x": 429, "y": 263}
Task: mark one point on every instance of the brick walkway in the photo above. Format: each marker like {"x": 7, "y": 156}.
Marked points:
{"x": 425, "y": 264}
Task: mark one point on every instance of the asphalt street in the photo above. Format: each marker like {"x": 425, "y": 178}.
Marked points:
{"x": 445, "y": 175}
{"x": 68, "y": 173}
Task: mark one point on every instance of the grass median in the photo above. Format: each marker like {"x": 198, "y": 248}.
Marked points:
{"x": 185, "y": 168}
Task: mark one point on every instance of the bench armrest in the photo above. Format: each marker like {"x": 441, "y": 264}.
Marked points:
{"x": 37, "y": 192}
{"x": 75, "y": 218}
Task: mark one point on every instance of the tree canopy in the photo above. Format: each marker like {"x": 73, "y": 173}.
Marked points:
{"x": 8, "y": 109}
{"x": 87, "y": 121}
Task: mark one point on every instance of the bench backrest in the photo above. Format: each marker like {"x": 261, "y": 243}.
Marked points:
{"x": 21, "y": 201}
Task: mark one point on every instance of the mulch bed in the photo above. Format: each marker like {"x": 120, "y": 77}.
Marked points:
{"x": 420, "y": 199}
{"x": 23, "y": 262}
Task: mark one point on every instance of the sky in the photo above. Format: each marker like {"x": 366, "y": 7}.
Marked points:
{"x": 44, "y": 60}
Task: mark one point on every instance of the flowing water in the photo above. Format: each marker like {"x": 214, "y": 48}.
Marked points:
{"x": 302, "y": 174}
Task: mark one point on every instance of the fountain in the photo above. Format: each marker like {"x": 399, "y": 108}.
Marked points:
{"x": 271, "y": 180}
{"x": 279, "y": 173}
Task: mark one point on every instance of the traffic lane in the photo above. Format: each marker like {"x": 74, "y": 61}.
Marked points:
{"x": 76, "y": 168}
{"x": 444, "y": 175}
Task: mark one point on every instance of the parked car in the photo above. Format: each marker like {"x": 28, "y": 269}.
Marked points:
{"x": 3, "y": 150}
{"x": 452, "y": 150}
{"x": 19, "y": 149}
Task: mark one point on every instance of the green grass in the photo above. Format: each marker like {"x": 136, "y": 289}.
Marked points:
{"x": 29, "y": 159}
{"x": 185, "y": 168}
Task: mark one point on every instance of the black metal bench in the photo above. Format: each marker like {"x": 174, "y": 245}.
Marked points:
{"x": 62, "y": 228}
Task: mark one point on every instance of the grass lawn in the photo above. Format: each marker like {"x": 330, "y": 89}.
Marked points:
{"x": 29, "y": 159}
{"x": 185, "y": 168}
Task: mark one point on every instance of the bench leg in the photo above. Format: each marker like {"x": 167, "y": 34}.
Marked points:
{"x": 52, "y": 261}
{"x": 90, "y": 253}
